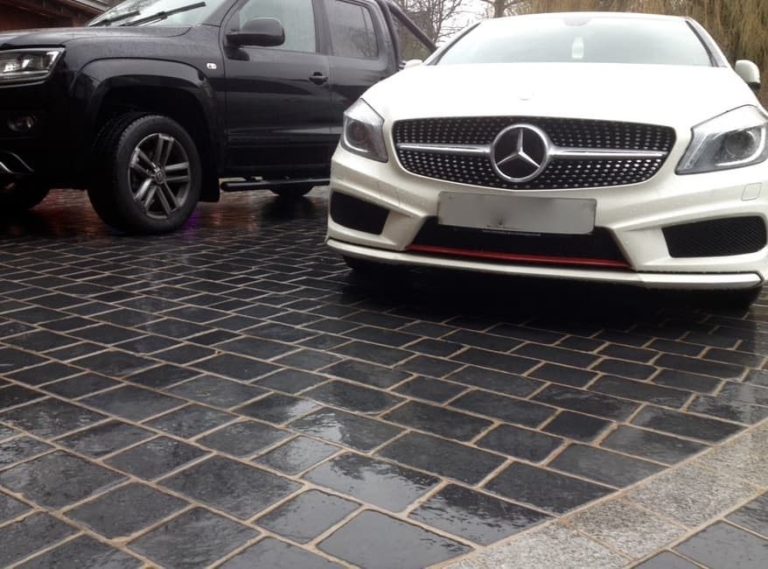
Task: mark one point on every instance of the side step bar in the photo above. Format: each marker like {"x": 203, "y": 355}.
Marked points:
{"x": 271, "y": 184}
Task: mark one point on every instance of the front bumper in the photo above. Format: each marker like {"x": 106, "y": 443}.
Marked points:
{"x": 635, "y": 215}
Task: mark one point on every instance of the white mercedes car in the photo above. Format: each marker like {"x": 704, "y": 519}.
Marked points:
{"x": 619, "y": 148}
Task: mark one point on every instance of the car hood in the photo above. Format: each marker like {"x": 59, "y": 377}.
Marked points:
{"x": 668, "y": 95}
{"x": 61, "y": 36}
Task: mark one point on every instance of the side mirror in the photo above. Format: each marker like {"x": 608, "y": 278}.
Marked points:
{"x": 750, "y": 72}
{"x": 412, "y": 63}
{"x": 260, "y": 32}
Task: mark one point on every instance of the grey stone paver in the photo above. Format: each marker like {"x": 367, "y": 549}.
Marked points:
{"x": 223, "y": 378}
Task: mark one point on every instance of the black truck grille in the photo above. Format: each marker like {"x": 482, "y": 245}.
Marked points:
{"x": 562, "y": 173}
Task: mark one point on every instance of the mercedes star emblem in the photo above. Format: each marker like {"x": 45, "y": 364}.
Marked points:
{"x": 520, "y": 153}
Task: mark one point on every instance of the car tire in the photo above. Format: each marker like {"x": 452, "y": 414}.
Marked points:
{"x": 293, "y": 192}
{"x": 148, "y": 174}
{"x": 17, "y": 196}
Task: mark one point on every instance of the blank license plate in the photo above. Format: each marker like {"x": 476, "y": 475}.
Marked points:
{"x": 517, "y": 213}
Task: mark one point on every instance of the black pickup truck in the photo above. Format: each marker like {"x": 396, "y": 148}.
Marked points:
{"x": 156, "y": 101}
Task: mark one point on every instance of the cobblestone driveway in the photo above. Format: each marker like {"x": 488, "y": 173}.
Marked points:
{"x": 231, "y": 395}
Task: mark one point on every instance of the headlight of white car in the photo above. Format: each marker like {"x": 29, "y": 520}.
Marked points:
{"x": 736, "y": 139}
{"x": 27, "y": 65}
{"x": 364, "y": 132}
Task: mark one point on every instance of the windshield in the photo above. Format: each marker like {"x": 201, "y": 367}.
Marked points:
{"x": 126, "y": 13}
{"x": 580, "y": 39}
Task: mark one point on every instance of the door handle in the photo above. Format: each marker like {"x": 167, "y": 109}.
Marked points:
{"x": 318, "y": 78}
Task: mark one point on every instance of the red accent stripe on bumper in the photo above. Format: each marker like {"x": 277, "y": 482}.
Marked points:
{"x": 515, "y": 257}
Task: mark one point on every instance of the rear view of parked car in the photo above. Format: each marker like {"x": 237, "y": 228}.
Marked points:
{"x": 157, "y": 100}
{"x": 600, "y": 147}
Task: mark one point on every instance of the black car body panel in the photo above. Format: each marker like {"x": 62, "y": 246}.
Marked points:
{"x": 254, "y": 112}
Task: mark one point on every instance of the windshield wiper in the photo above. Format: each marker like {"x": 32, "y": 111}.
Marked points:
{"x": 165, "y": 14}
{"x": 113, "y": 19}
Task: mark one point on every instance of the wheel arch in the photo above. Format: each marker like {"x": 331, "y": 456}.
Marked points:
{"x": 175, "y": 90}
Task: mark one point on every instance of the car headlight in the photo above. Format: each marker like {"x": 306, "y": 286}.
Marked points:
{"x": 736, "y": 139}
{"x": 27, "y": 65}
{"x": 364, "y": 132}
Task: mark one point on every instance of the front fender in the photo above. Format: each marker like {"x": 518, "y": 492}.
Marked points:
{"x": 98, "y": 79}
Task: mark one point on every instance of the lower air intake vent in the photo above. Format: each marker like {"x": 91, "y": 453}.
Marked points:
{"x": 598, "y": 249}
{"x": 716, "y": 238}
{"x": 358, "y": 214}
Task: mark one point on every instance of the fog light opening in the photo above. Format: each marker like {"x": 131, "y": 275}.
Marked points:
{"x": 22, "y": 124}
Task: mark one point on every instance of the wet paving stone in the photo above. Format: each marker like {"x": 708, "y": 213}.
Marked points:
{"x": 13, "y": 359}
{"x": 431, "y": 389}
{"x": 753, "y": 516}
{"x": 162, "y": 376}
{"x": 14, "y": 395}
{"x": 44, "y": 373}
{"x": 442, "y": 457}
{"x": 38, "y": 531}
{"x": 602, "y": 466}
{"x": 291, "y": 380}
{"x": 84, "y": 553}
{"x": 105, "y": 438}
{"x": 21, "y": 448}
{"x": 308, "y": 515}
{"x": 114, "y": 363}
{"x": 376, "y": 541}
{"x": 687, "y": 381}
{"x": 564, "y": 375}
{"x": 577, "y": 426}
{"x": 650, "y": 445}
{"x": 520, "y": 443}
{"x": 438, "y": 421}
{"x": 278, "y": 408}
{"x": 11, "y": 508}
{"x": 133, "y": 403}
{"x": 477, "y": 517}
{"x": 639, "y": 391}
{"x": 155, "y": 458}
{"x": 217, "y": 392}
{"x": 675, "y": 423}
{"x": 297, "y": 455}
{"x": 80, "y": 385}
{"x": 232, "y": 487}
{"x": 57, "y": 479}
{"x": 586, "y": 402}
{"x": 667, "y": 560}
{"x": 234, "y": 367}
{"x": 368, "y": 374}
{"x": 51, "y": 418}
{"x": 196, "y": 538}
{"x": 244, "y": 438}
{"x": 360, "y": 433}
{"x": 353, "y": 397}
{"x": 723, "y": 546}
{"x": 544, "y": 489}
{"x": 381, "y": 483}
{"x": 139, "y": 507}
{"x": 270, "y": 552}
{"x": 506, "y": 383}
{"x": 190, "y": 421}
{"x": 516, "y": 411}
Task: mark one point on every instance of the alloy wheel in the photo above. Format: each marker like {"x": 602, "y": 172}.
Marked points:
{"x": 159, "y": 175}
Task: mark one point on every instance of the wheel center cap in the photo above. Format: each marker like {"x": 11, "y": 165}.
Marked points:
{"x": 159, "y": 176}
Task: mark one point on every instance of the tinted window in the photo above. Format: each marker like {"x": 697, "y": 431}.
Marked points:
{"x": 580, "y": 39}
{"x": 352, "y": 31}
{"x": 297, "y": 17}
